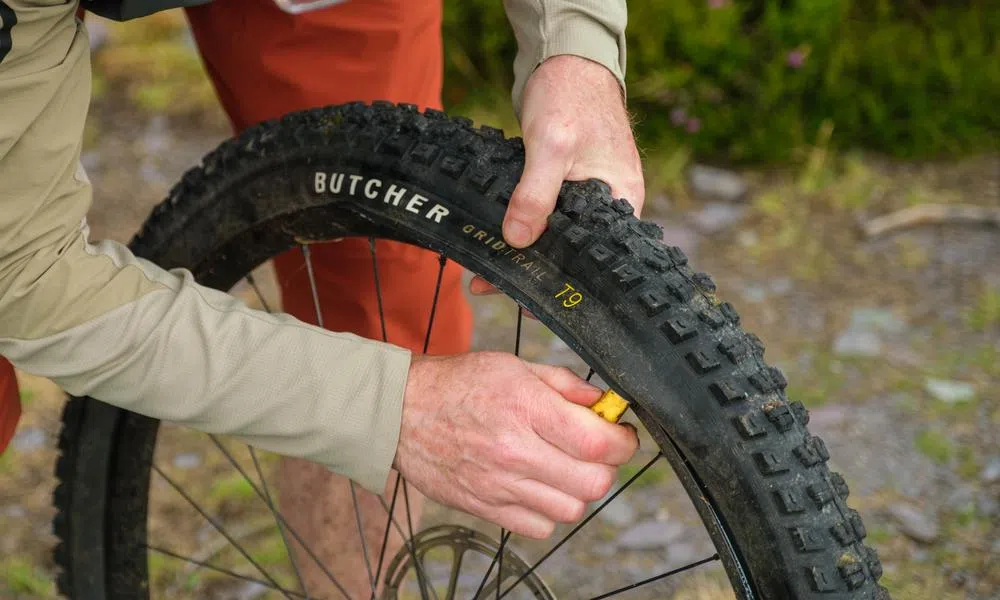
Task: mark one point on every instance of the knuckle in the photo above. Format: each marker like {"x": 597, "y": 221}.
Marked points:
{"x": 599, "y": 484}
{"x": 593, "y": 446}
{"x": 505, "y": 453}
{"x": 530, "y": 204}
{"x": 573, "y": 511}
{"x": 559, "y": 138}
{"x": 565, "y": 373}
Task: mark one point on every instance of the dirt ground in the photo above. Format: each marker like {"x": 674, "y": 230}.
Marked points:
{"x": 892, "y": 341}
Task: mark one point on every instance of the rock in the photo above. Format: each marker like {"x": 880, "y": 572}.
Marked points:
{"x": 880, "y": 319}
{"x": 250, "y": 590}
{"x": 747, "y": 238}
{"x": 961, "y": 497}
{"x": 920, "y": 555}
{"x": 717, "y": 183}
{"x": 991, "y": 472}
{"x": 683, "y": 553}
{"x": 949, "y": 391}
{"x": 914, "y": 523}
{"x": 754, "y": 293}
{"x": 618, "y": 513}
{"x": 853, "y": 343}
{"x": 684, "y": 238}
{"x": 717, "y": 216}
{"x": 187, "y": 460}
{"x": 988, "y": 506}
{"x": 29, "y": 439}
{"x": 781, "y": 286}
{"x": 650, "y": 535}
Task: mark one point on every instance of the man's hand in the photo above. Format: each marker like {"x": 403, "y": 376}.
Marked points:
{"x": 508, "y": 441}
{"x": 575, "y": 127}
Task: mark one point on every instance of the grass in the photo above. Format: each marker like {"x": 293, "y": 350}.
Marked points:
{"x": 653, "y": 476}
{"x": 823, "y": 380}
{"x": 985, "y": 314}
{"x": 233, "y": 487}
{"x": 934, "y": 445}
{"x": 20, "y": 577}
{"x": 915, "y": 581}
{"x": 159, "y": 71}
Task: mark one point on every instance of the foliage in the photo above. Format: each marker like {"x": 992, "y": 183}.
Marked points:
{"x": 759, "y": 79}
{"x": 20, "y": 578}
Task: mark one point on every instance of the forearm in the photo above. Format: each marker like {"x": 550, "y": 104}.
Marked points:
{"x": 591, "y": 29}
{"x": 101, "y": 322}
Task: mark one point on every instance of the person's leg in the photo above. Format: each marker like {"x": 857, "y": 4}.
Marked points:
{"x": 265, "y": 63}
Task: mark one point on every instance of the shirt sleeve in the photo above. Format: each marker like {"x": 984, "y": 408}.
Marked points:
{"x": 101, "y": 322}
{"x": 592, "y": 29}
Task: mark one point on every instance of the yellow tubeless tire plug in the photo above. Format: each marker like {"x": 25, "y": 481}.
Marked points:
{"x": 610, "y": 406}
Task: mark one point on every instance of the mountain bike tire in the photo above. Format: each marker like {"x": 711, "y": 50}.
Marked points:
{"x": 637, "y": 313}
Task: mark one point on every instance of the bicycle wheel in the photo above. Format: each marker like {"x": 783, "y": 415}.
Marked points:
{"x": 600, "y": 279}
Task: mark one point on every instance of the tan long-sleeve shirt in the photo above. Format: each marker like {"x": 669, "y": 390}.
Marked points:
{"x": 101, "y": 322}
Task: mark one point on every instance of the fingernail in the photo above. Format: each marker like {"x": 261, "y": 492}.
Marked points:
{"x": 481, "y": 287}
{"x": 635, "y": 430}
{"x": 517, "y": 233}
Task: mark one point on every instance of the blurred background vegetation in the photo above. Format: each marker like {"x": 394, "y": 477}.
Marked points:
{"x": 736, "y": 81}
{"x": 754, "y": 80}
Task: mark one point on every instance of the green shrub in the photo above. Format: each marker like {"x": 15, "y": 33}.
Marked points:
{"x": 755, "y": 79}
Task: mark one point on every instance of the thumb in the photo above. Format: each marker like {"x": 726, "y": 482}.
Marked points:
{"x": 535, "y": 196}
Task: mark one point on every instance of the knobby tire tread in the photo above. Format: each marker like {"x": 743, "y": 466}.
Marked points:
{"x": 767, "y": 476}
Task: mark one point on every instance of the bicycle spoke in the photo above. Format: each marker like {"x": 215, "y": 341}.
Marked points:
{"x": 456, "y": 569}
{"x": 218, "y": 526}
{"x": 385, "y": 535}
{"x": 307, "y": 255}
{"x": 632, "y": 586}
{"x": 503, "y": 542}
{"x": 437, "y": 291}
{"x": 517, "y": 338}
{"x": 274, "y": 512}
{"x": 378, "y": 289}
{"x": 406, "y": 496}
{"x": 281, "y": 517}
{"x": 354, "y": 494}
{"x": 418, "y": 565}
{"x": 260, "y": 296}
{"x": 421, "y": 575}
{"x": 582, "y": 523}
{"x": 489, "y": 569}
{"x": 224, "y": 571}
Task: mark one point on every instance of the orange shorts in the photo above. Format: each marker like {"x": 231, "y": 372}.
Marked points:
{"x": 265, "y": 63}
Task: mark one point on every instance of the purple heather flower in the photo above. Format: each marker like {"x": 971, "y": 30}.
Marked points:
{"x": 678, "y": 116}
{"x": 717, "y": 3}
{"x": 796, "y": 58}
{"x": 693, "y": 125}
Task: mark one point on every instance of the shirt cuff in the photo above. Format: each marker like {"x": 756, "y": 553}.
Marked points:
{"x": 579, "y": 29}
{"x": 386, "y": 419}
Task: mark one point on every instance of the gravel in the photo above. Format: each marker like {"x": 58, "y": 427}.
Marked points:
{"x": 717, "y": 183}
{"x": 914, "y": 523}
{"x": 651, "y": 535}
